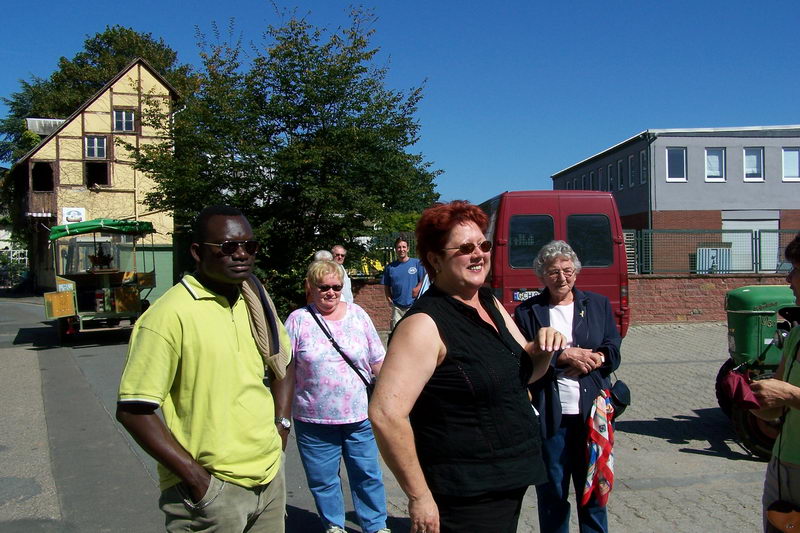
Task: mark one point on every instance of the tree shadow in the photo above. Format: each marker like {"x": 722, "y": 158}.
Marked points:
{"x": 709, "y": 425}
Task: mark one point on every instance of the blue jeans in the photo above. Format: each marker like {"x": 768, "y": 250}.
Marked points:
{"x": 321, "y": 448}
{"x": 564, "y": 457}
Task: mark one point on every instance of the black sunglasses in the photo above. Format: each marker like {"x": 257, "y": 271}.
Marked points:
{"x": 469, "y": 247}
{"x": 326, "y": 288}
{"x": 230, "y": 247}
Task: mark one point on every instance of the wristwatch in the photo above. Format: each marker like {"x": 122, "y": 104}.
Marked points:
{"x": 285, "y": 423}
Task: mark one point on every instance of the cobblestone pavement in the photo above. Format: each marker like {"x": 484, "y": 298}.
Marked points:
{"x": 679, "y": 467}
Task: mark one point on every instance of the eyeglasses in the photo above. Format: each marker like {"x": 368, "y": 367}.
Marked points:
{"x": 339, "y": 255}
{"x": 326, "y": 288}
{"x": 469, "y": 247}
{"x": 230, "y": 247}
{"x": 568, "y": 273}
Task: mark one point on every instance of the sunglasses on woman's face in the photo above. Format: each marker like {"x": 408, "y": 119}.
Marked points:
{"x": 469, "y": 247}
{"x": 230, "y": 247}
{"x": 326, "y": 288}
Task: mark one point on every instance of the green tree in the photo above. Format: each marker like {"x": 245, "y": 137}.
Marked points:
{"x": 306, "y": 139}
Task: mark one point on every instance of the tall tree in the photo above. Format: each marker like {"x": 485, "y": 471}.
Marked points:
{"x": 307, "y": 140}
{"x": 77, "y": 79}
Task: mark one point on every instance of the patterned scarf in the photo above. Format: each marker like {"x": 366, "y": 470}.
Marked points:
{"x": 600, "y": 451}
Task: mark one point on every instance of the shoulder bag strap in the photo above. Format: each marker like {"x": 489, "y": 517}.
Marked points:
{"x": 336, "y": 345}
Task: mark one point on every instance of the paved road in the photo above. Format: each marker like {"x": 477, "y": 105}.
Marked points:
{"x": 66, "y": 465}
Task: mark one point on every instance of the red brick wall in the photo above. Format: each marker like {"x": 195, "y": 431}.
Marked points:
{"x": 687, "y": 220}
{"x": 369, "y": 294}
{"x": 654, "y": 299}
{"x": 687, "y": 298}
{"x": 790, "y": 219}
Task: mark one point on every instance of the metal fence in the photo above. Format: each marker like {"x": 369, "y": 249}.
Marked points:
{"x": 13, "y": 267}
{"x": 707, "y": 251}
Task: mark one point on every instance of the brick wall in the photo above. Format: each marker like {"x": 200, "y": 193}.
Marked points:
{"x": 790, "y": 219}
{"x": 687, "y": 220}
{"x": 369, "y": 294}
{"x": 687, "y": 298}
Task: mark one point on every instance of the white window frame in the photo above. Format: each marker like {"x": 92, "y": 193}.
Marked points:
{"x": 575, "y": 183}
{"x": 620, "y": 174}
{"x": 643, "y": 167}
{"x": 784, "y": 150}
{"x": 610, "y": 177}
{"x": 666, "y": 165}
{"x": 592, "y": 183}
{"x": 723, "y": 156}
{"x": 631, "y": 175}
{"x": 125, "y": 120}
{"x": 91, "y": 144}
{"x": 600, "y": 179}
{"x": 761, "y": 163}
{"x": 583, "y": 182}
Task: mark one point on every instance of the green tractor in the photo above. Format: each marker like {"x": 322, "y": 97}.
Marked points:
{"x": 759, "y": 319}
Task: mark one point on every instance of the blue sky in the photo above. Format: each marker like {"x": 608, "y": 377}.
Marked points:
{"x": 514, "y": 91}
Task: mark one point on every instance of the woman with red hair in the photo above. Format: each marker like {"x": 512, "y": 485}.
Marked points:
{"x": 451, "y": 412}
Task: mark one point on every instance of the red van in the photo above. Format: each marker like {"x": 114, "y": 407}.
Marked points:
{"x": 521, "y": 222}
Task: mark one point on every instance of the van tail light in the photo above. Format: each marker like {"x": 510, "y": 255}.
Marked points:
{"x": 623, "y": 295}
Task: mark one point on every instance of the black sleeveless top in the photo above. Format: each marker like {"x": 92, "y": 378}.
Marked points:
{"x": 474, "y": 428}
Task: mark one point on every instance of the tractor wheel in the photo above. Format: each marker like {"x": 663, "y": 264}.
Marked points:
{"x": 755, "y": 434}
{"x": 724, "y": 402}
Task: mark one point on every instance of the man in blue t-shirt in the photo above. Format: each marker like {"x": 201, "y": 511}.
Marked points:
{"x": 402, "y": 280}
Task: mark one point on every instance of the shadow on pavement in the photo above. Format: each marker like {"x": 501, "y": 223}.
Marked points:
{"x": 36, "y": 526}
{"x": 44, "y": 337}
{"x": 710, "y": 425}
{"x": 303, "y": 521}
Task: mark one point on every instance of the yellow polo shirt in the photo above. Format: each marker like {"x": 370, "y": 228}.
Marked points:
{"x": 193, "y": 354}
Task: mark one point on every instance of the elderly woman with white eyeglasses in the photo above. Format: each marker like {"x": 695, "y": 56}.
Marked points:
{"x": 576, "y": 377}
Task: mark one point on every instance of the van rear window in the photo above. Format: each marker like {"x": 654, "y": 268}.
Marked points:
{"x": 527, "y": 234}
{"x": 590, "y": 237}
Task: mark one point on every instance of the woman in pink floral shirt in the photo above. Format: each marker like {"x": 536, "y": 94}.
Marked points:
{"x": 330, "y": 402}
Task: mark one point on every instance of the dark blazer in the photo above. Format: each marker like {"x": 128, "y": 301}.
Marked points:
{"x": 593, "y": 327}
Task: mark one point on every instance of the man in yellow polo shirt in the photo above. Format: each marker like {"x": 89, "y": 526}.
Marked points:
{"x": 193, "y": 355}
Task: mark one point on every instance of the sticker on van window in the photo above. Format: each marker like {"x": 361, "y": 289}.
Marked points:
{"x": 521, "y": 295}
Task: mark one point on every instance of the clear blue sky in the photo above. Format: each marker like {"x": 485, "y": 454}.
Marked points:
{"x": 514, "y": 90}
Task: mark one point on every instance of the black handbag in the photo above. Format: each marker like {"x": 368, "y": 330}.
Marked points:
{"x": 620, "y": 396}
{"x": 370, "y": 385}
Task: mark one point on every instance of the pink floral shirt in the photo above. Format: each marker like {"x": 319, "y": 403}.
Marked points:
{"x": 327, "y": 391}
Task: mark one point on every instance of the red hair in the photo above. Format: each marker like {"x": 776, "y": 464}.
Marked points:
{"x": 436, "y": 222}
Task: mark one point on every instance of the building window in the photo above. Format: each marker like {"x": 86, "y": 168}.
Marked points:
{"x": 42, "y": 179}
{"x": 610, "y": 177}
{"x": 574, "y": 183}
{"x": 631, "y": 171}
{"x": 754, "y": 164}
{"x": 676, "y": 164}
{"x": 642, "y": 167}
{"x": 791, "y": 164}
{"x": 95, "y": 147}
{"x": 715, "y": 164}
{"x": 601, "y": 180}
{"x": 96, "y": 173}
{"x": 583, "y": 181}
{"x": 620, "y": 174}
{"x": 592, "y": 183}
{"x": 124, "y": 120}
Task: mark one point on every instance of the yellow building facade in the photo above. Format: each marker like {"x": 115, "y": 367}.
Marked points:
{"x": 80, "y": 171}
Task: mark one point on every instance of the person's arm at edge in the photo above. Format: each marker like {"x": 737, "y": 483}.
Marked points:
{"x": 150, "y": 432}
{"x": 413, "y": 355}
{"x": 283, "y": 396}
{"x": 421, "y": 279}
{"x": 775, "y": 395}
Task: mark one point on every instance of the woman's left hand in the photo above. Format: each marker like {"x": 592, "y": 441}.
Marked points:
{"x": 549, "y": 340}
{"x": 772, "y": 392}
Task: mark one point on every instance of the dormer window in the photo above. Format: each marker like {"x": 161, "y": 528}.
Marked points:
{"x": 124, "y": 120}
{"x": 95, "y": 147}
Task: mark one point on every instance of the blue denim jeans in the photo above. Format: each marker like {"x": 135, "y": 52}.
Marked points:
{"x": 321, "y": 448}
{"x": 564, "y": 457}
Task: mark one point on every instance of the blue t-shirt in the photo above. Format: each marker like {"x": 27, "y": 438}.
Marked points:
{"x": 402, "y": 278}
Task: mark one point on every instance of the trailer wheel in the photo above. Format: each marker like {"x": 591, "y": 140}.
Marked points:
{"x": 755, "y": 434}
{"x": 725, "y": 403}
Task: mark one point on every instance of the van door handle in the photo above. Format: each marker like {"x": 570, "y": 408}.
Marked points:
{"x": 618, "y": 240}
{"x": 501, "y": 242}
